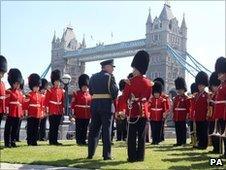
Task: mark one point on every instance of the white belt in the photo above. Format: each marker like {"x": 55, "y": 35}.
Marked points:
{"x": 34, "y": 105}
{"x": 16, "y": 102}
{"x": 2, "y": 97}
{"x": 220, "y": 102}
{"x": 83, "y": 106}
{"x": 56, "y": 103}
{"x": 156, "y": 109}
{"x": 180, "y": 109}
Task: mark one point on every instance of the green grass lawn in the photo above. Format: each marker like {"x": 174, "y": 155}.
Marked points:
{"x": 163, "y": 156}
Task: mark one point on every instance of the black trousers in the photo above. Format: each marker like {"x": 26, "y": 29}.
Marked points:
{"x": 181, "y": 132}
{"x": 11, "y": 127}
{"x": 100, "y": 119}
{"x": 18, "y": 131}
{"x": 81, "y": 130}
{"x": 32, "y": 130}
{"x": 136, "y": 131}
{"x": 202, "y": 133}
{"x": 156, "y": 127}
{"x": 54, "y": 123}
{"x": 222, "y": 124}
{"x": 42, "y": 129}
{"x": 214, "y": 139}
{"x": 191, "y": 125}
{"x": 1, "y": 116}
{"x": 162, "y": 134}
{"x": 121, "y": 126}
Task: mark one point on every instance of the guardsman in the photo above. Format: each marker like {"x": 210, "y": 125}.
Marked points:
{"x": 137, "y": 93}
{"x": 181, "y": 109}
{"x": 80, "y": 105}
{"x": 33, "y": 109}
{"x": 194, "y": 90}
{"x": 166, "y": 97}
{"x": 201, "y": 109}
{"x": 14, "y": 111}
{"x": 120, "y": 115}
{"x": 157, "y": 106}
{"x": 21, "y": 89}
{"x": 42, "y": 125}
{"x": 214, "y": 82}
{"x": 55, "y": 103}
{"x": 220, "y": 102}
{"x": 3, "y": 70}
{"x": 104, "y": 91}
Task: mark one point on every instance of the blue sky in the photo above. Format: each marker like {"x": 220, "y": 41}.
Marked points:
{"x": 27, "y": 29}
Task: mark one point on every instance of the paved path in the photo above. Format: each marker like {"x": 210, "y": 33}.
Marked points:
{"x": 7, "y": 166}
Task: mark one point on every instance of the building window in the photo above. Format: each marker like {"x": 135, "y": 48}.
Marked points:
{"x": 156, "y": 26}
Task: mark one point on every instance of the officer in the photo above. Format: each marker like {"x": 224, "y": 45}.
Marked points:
{"x": 104, "y": 90}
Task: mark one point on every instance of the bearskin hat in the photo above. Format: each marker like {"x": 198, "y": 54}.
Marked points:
{"x": 193, "y": 88}
{"x": 34, "y": 80}
{"x": 160, "y": 80}
{"x": 220, "y": 65}
{"x": 141, "y": 61}
{"x": 157, "y": 87}
{"x": 3, "y": 64}
{"x": 202, "y": 78}
{"x": 83, "y": 80}
{"x": 55, "y": 75}
{"x": 214, "y": 81}
{"x": 44, "y": 84}
{"x": 122, "y": 85}
{"x": 22, "y": 84}
{"x": 180, "y": 84}
{"x": 14, "y": 75}
{"x": 130, "y": 76}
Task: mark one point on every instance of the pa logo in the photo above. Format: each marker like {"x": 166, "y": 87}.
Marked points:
{"x": 216, "y": 162}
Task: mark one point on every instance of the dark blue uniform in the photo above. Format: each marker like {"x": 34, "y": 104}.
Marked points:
{"x": 104, "y": 90}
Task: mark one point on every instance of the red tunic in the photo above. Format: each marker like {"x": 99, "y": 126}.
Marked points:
{"x": 54, "y": 101}
{"x": 121, "y": 105}
{"x": 81, "y": 104}
{"x": 157, "y": 106}
{"x": 14, "y": 102}
{"x": 167, "y": 103}
{"x": 141, "y": 88}
{"x": 220, "y": 103}
{"x": 201, "y": 106}
{"x": 181, "y": 107}
{"x": 212, "y": 97}
{"x": 2, "y": 97}
{"x": 191, "y": 115}
{"x": 34, "y": 105}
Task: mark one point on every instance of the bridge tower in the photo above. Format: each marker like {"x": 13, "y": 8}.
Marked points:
{"x": 60, "y": 47}
{"x": 161, "y": 31}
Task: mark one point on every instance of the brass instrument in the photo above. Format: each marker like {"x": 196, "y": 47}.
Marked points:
{"x": 120, "y": 115}
{"x": 193, "y": 135}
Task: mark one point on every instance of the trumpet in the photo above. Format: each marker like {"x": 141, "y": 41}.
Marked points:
{"x": 224, "y": 134}
{"x": 121, "y": 115}
{"x": 215, "y": 132}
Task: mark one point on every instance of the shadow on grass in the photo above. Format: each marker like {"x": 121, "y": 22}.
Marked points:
{"x": 80, "y": 163}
